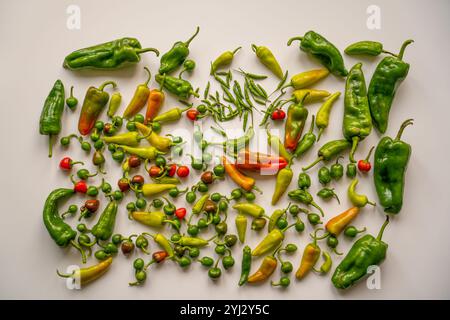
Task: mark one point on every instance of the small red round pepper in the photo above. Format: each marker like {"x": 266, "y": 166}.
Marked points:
{"x": 183, "y": 171}
{"x": 180, "y": 213}
{"x": 365, "y": 165}
{"x": 123, "y": 184}
{"x": 192, "y": 114}
{"x": 134, "y": 161}
{"x": 81, "y": 186}
{"x": 137, "y": 180}
{"x": 172, "y": 170}
{"x": 154, "y": 171}
{"x": 67, "y": 163}
{"x": 278, "y": 114}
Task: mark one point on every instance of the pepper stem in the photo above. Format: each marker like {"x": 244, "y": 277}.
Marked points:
{"x": 319, "y": 134}
{"x": 147, "y": 50}
{"x": 388, "y": 52}
{"x": 380, "y": 234}
{"x": 313, "y": 164}
{"x": 71, "y": 92}
{"x": 352, "y": 151}
{"x": 50, "y": 152}
{"x": 402, "y": 49}
{"x": 402, "y": 127}
{"x": 149, "y": 76}
{"x": 192, "y": 37}
{"x": 294, "y": 39}
{"x": 312, "y": 125}
{"x": 370, "y": 153}
{"x": 315, "y": 205}
{"x": 76, "y": 246}
{"x": 254, "y": 47}
{"x": 236, "y": 50}
{"x": 104, "y": 84}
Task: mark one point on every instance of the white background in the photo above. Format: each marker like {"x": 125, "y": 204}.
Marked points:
{"x": 34, "y": 42}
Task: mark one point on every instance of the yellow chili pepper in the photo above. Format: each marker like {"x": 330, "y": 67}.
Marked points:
{"x": 323, "y": 115}
{"x": 284, "y": 178}
{"x": 151, "y": 189}
{"x": 358, "y": 200}
{"x": 86, "y": 275}
{"x": 251, "y": 209}
{"x": 241, "y": 226}
{"x": 337, "y": 224}
{"x": 164, "y": 243}
{"x": 223, "y": 60}
{"x": 270, "y": 242}
{"x": 245, "y": 182}
{"x": 309, "y": 258}
{"x": 266, "y": 269}
{"x": 139, "y": 99}
{"x": 143, "y": 152}
{"x": 307, "y": 78}
{"x": 131, "y": 139}
{"x": 151, "y": 219}
{"x": 159, "y": 142}
{"x": 314, "y": 95}
{"x": 268, "y": 59}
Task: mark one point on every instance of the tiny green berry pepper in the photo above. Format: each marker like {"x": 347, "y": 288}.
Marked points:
{"x": 71, "y": 101}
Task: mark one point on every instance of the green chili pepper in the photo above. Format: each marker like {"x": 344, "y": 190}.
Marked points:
{"x": 327, "y": 193}
{"x": 61, "y": 232}
{"x": 319, "y": 47}
{"x": 367, "y": 251}
{"x": 304, "y": 180}
{"x": 327, "y": 263}
{"x": 369, "y": 48}
{"x": 192, "y": 242}
{"x": 246, "y": 265}
{"x": 323, "y": 115}
{"x": 358, "y": 200}
{"x": 71, "y": 101}
{"x": 295, "y": 122}
{"x": 270, "y": 242}
{"x": 275, "y": 143}
{"x": 275, "y": 217}
{"x": 284, "y": 178}
{"x": 267, "y": 58}
{"x": 258, "y": 224}
{"x": 329, "y": 150}
{"x": 178, "y": 87}
{"x": 188, "y": 65}
{"x": 324, "y": 175}
{"x": 391, "y": 161}
{"x": 388, "y": 75}
{"x": 251, "y": 209}
{"x": 171, "y": 115}
{"x": 94, "y": 102}
{"x": 306, "y": 142}
{"x": 104, "y": 228}
{"x": 337, "y": 170}
{"x": 223, "y": 60}
{"x": 175, "y": 57}
{"x": 357, "y": 123}
{"x": 351, "y": 170}
{"x": 234, "y": 145}
{"x": 304, "y": 197}
{"x": 149, "y": 153}
{"x": 109, "y": 55}
{"x": 114, "y": 104}
{"x": 241, "y": 226}
{"x": 50, "y": 120}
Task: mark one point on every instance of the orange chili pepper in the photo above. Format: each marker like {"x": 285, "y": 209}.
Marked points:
{"x": 311, "y": 254}
{"x": 245, "y": 182}
{"x": 337, "y": 224}
{"x": 155, "y": 102}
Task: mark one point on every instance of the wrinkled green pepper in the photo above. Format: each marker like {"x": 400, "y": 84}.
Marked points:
{"x": 176, "y": 86}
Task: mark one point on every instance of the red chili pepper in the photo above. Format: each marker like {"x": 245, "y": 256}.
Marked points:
{"x": 192, "y": 114}
{"x": 134, "y": 161}
{"x": 183, "y": 171}
{"x": 256, "y": 161}
{"x": 278, "y": 114}
{"x": 123, "y": 184}
{"x": 365, "y": 165}
{"x": 172, "y": 170}
{"x": 160, "y": 256}
{"x": 180, "y": 213}
{"x": 67, "y": 163}
{"x": 154, "y": 171}
{"x": 81, "y": 186}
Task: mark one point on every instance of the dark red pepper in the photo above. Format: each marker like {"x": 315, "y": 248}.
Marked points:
{"x": 137, "y": 180}
{"x": 172, "y": 170}
{"x": 134, "y": 161}
{"x": 67, "y": 163}
{"x": 80, "y": 186}
{"x": 123, "y": 184}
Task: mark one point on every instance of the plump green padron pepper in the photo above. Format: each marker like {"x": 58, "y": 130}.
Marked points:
{"x": 175, "y": 57}
{"x": 323, "y": 50}
{"x": 391, "y": 161}
{"x": 367, "y": 251}
{"x": 50, "y": 120}
{"x": 109, "y": 55}
{"x": 366, "y": 48}
{"x": 385, "y": 80}
{"x": 176, "y": 86}
{"x": 357, "y": 123}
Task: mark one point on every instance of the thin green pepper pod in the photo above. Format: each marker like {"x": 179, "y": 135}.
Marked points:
{"x": 357, "y": 123}
{"x": 94, "y": 102}
{"x": 365, "y": 252}
{"x": 175, "y": 57}
{"x": 251, "y": 209}
{"x": 198, "y": 206}
{"x": 170, "y": 115}
{"x": 391, "y": 161}
{"x": 246, "y": 264}
{"x": 388, "y": 75}
{"x": 267, "y": 58}
{"x": 329, "y": 150}
{"x": 114, "y": 104}
{"x": 223, "y": 60}
{"x": 104, "y": 228}
{"x": 109, "y": 55}
{"x": 323, "y": 50}
{"x": 306, "y": 142}
{"x": 284, "y": 178}
{"x": 176, "y": 86}
{"x": 50, "y": 120}
{"x": 366, "y": 48}
{"x": 323, "y": 115}
{"x": 303, "y": 196}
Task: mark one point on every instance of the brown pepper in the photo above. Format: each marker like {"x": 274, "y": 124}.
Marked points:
{"x": 207, "y": 177}
{"x": 210, "y": 206}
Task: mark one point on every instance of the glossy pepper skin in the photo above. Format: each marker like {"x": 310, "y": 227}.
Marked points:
{"x": 50, "y": 120}
{"x": 390, "y": 164}
{"x": 175, "y": 57}
{"x": 149, "y": 153}
{"x": 357, "y": 122}
{"x": 245, "y": 182}
{"x": 319, "y": 47}
{"x": 323, "y": 115}
{"x": 306, "y": 142}
{"x": 259, "y": 162}
{"x": 246, "y": 264}
{"x": 155, "y": 101}
{"x": 139, "y": 99}
{"x": 284, "y": 178}
{"x": 163, "y": 144}
{"x": 296, "y": 117}
{"x": 104, "y": 228}
{"x": 337, "y": 224}
{"x": 89, "y": 274}
{"x": 176, "y": 86}
{"x": 365, "y": 252}
{"x": 388, "y": 75}
{"x": 311, "y": 254}
{"x": 94, "y": 102}
{"x": 61, "y": 232}
{"x": 270, "y": 242}
{"x": 306, "y": 79}
{"x": 314, "y": 95}
{"x": 265, "y": 270}
{"x": 109, "y": 55}
{"x": 241, "y": 226}
{"x": 368, "y": 48}
{"x": 268, "y": 59}
{"x": 223, "y": 60}
{"x": 329, "y": 150}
